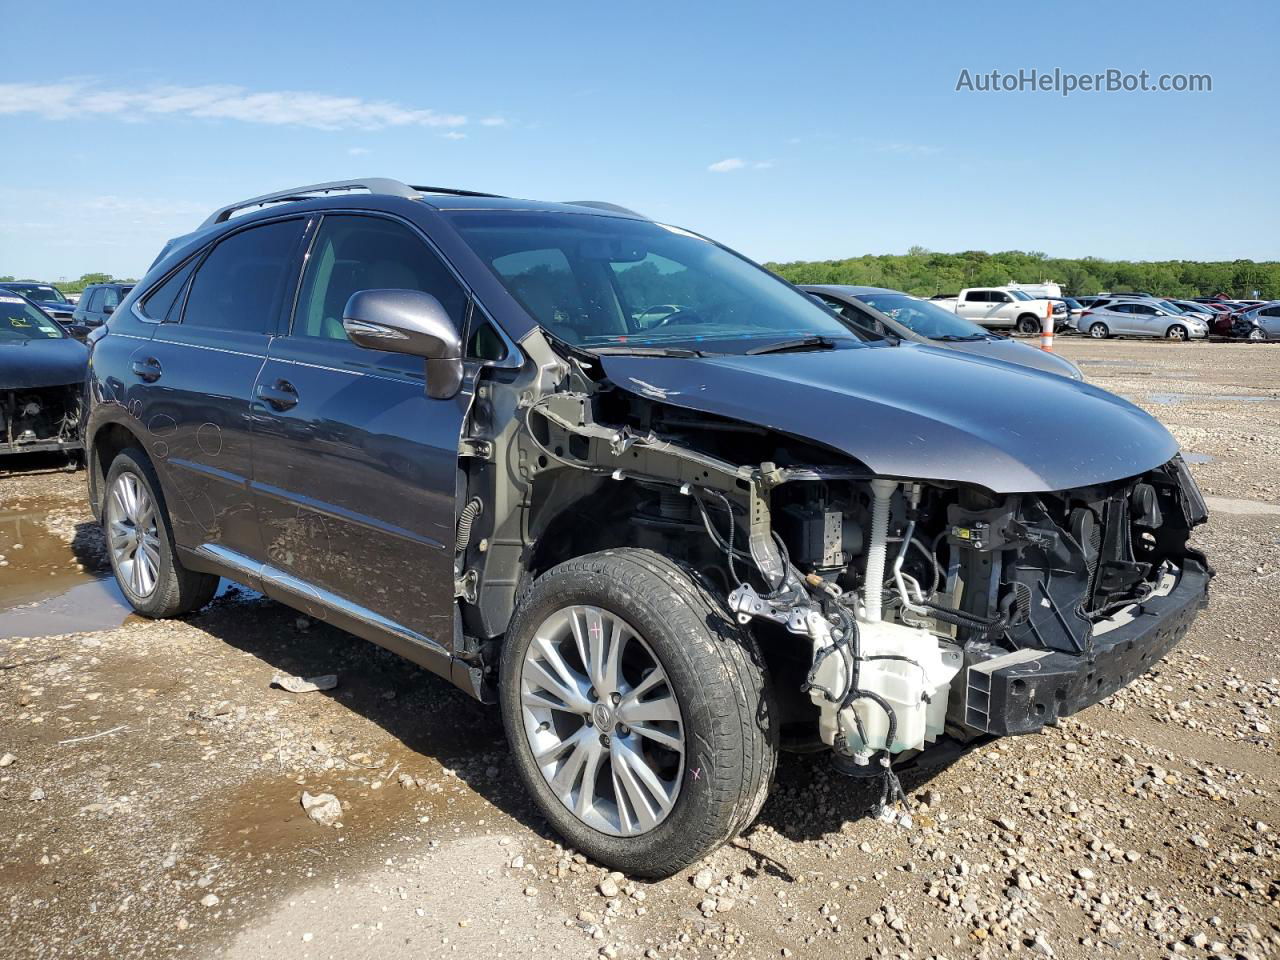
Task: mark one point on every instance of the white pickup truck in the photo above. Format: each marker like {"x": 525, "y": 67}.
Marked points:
{"x": 998, "y": 307}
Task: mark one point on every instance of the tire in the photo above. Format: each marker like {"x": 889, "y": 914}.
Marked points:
{"x": 172, "y": 590}
{"x": 1176, "y": 332}
{"x": 1099, "y": 331}
{"x": 1257, "y": 333}
{"x": 1028, "y": 325}
{"x": 718, "y": 781}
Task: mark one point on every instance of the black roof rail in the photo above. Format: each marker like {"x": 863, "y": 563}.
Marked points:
{"x": 382, "y": 185}
{"x": 454, "y": 192}
{"x": 605, "y": 205}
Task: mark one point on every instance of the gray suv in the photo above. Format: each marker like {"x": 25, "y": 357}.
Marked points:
{"x": 664, "y": 510}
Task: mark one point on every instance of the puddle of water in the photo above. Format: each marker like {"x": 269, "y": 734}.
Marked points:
{"x": 1167, "y": 398}
{"x": 49, "y": 586}
{"x": 1197, "y": 457}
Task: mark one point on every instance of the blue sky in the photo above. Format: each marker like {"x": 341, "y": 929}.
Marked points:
{"x": 796, "y": 131}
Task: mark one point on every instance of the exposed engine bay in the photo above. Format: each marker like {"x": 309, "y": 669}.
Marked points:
{"x": 891, "y": 610}
{"x": 40, "y": 419}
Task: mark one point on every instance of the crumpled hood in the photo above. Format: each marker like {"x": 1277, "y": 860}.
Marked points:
{"x": 25, "y": 364}
{"x": 919, "y": 412}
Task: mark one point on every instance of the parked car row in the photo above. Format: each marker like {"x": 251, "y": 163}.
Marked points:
{"x": 1144, "y": 315}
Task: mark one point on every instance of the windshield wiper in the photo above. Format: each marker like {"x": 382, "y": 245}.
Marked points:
{"x": 962, "y": 338}
{"x": 639, "y": 351}
{"x": 800, "y": 343}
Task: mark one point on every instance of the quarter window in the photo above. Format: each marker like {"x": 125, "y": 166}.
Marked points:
{"x": 240, "y": 284}
{"x": 162, "y": 302}
{"x": 95, "y": 301}
{"x": 354, "y": 253}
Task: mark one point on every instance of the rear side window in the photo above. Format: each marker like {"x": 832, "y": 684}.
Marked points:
{"x": 95, "y": 300}
{"x": 161, "y": 303}
{"x": 239, "y": 286}
{"x": 976, "y": 296}
{"x": 353, "y": 253}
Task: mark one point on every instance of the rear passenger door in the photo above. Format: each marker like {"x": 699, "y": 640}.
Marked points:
{"x": 197, "y": 375}
{"x": 974, "y": 306}
{"x": 355, "y": 467}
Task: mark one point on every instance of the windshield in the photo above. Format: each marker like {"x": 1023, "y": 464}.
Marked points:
{"x": 923, "y": 317}
{"x": 1019, "y": 295}
{"x": 598, "y": 281}
{"x": 1072, "y": 303}
{"x": 1169, "y": 307}
{"x": 38, "y": 291}
{"x": 20, "y": 320}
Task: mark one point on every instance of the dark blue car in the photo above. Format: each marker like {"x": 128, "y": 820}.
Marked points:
{"x": 45, "y": 295}
{"x": 664, "y": 509}
{"x": 42, "y": 374}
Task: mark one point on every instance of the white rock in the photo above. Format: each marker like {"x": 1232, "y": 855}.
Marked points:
{"x": 7, "y": 760}
{"x": 325, "y": 809}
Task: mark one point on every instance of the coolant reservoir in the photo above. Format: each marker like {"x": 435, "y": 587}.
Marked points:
{"x": 916, "y": 690}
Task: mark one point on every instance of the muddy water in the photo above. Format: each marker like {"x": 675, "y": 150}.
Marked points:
{"x": 50, "y": 583}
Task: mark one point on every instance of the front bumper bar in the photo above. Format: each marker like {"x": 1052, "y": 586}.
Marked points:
{"x": 1020, "y": 692}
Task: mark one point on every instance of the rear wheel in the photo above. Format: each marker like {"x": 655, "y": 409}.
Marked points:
{"x": 1176, "y": 332}
{"x": 637, "y": 711}
{"x": 1028, "y": 325}
{"x": 1099, "y": 331}
{"x": 140, "y": 543}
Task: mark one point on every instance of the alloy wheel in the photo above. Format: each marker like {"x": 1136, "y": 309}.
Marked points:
{"x": 1098, "y": 332}
{"x": 133, "y": 535}
{"x": 602, "y": 721}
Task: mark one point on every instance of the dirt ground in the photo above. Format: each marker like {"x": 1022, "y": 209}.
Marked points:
{"x": 151, "y": 775}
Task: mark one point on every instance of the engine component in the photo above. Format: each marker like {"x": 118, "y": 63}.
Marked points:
{"x": 873, "y": 588}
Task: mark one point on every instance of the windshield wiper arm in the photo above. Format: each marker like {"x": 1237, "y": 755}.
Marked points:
{"x": 639, "y": 351}
{"x": 958, "y": 338}
{"x": 800, "y": 343}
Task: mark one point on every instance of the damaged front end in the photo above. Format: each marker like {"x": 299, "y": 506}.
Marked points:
{"x": 892, "y": 610}
{"x": 40, "y": 419}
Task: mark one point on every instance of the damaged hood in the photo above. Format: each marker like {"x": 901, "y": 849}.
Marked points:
{"x": 26, "y": 364}
{"x": 919, "y": 412}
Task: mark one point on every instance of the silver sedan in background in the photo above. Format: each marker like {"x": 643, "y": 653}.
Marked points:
{"x": 1141, "y": 318}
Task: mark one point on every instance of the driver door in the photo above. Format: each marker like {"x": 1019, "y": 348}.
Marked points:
{"x": 355, "y": 467}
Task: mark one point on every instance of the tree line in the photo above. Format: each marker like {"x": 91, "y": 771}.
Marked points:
{"x": 76, "y": 286}
{"x": 925, "y": 273}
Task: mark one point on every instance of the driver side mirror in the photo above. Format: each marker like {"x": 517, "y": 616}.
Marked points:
{"x": 409, "y": 322}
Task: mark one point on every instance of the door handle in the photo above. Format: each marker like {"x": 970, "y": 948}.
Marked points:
{"x": 282, "y": 395}
{"x": 147, "y": 370}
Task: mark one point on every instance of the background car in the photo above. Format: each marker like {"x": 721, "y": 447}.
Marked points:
{"x": 48, "y": 297}
{"x": 42, "y": 373}
{"x": 880, "y": 311}
{"x": 1140, "y": 318}
{"x": 1259, "y": 323}
{"x": 99, "y": 301}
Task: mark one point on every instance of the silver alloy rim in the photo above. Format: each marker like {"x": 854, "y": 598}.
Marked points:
{"x": 134, "y": 535}
{"x": 1098, "y": 331}
{"x": 602, "y": 721}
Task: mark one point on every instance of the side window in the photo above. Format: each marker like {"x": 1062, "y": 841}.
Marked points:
{"x": 1142, "y": 308}
{"x": 353, "y": 253}
{"x": 976, "y": 296}
{"x": 110, "y": 297}
{"x": 1271, "y": 312}
{"x": 240, "y": 284}
{"x": 997, "y": 297}
{"x": 95, "y": 301}
{"x": 1121, "y": 308}
{"x": 544, "y": 284}
{"x": 162, "y": 303}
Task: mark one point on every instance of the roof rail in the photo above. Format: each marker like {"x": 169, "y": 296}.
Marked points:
{"x": 381, "y": 185}
{"x": 453, "y": 192}
{"x": 605, "y": 205}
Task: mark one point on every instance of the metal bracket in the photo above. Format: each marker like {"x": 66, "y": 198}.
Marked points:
{"x": 464, "y": 587}
{"x": 480, "y": 449}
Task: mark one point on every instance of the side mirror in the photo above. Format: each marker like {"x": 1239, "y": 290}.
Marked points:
{"x": 78, "y": 330}
{"x": 409, "y": 322}
{"x": 108, "y": 308}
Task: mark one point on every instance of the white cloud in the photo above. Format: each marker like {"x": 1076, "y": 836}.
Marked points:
{"x": 320, "y": 111}
{"x": 454, "y": 135}
{"x": 358, "y": 151}
{"x": 730, "y": 164}
{"x": 493, "y": 122}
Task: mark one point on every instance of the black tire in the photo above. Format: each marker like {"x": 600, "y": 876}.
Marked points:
{"x": 716, "y": 674}
{"x": 1176, "y": 332}
{"x": 1099, "y": 331}
{"x": 177, "y": 589}
{"x": 1028, "y": 325}
{"x": 1256, "y": 333}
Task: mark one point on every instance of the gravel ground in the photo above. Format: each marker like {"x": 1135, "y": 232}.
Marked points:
{"x": 151, "y": 776}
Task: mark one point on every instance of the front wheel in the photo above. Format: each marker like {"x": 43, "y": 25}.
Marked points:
{"x": 1028, "y": 325}
{"x": 1176, "y": 332}
{"x": 1099, "y": 331}
{"x": 1256, "y": 333}
{"x": 637, "y": 711}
